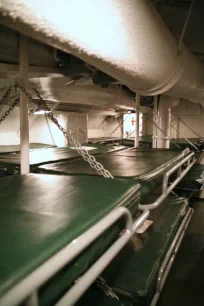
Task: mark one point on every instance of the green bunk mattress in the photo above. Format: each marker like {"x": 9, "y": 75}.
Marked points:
{"x": 41, "y": 214}
{"x": 146, "y": 142}
{"x": 133, "y": 274}
{"x": 146, "y": 166}
{"x": 4, "y": 149}
{"x": 10, "y": 163}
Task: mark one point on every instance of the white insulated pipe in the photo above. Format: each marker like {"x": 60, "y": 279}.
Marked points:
{"x": 164, "y": 122}
{"x": 134, "y": 46}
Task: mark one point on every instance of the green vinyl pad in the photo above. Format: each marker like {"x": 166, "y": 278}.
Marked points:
{"x": 40, "y": 214}
{"x": 49, "y": 155}
{"x": 175, "y": 144}
{"x": 16, "y": 148}
{"x": 133, "y": 273}
{"x": 146, "y": 166}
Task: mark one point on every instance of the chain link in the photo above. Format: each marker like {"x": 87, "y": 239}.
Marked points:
{"x": 102, "y": 284}
{"x": 11, "y": 107}
{"x": 5, "y": 96}
{"x": 81, "y": 151}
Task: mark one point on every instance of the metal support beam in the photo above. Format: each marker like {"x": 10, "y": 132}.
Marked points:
{"x": 178, "y": 128}
{"x": 164, "y": 122}
{"x": 155, "y": 120}
{"x": 137, "y": 129}
{"x": 24, "y": 121}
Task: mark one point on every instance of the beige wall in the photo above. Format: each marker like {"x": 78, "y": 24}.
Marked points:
{"x": 39, "y": 132}
{"x": 98, "y": 126}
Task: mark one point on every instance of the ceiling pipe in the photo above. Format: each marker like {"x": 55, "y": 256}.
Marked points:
{"x": 135, "y": 47}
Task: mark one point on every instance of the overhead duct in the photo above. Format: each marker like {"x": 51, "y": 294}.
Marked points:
{"x": 126, "y": 39}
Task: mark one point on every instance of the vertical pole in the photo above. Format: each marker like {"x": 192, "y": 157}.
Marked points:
{"x": 137, "y": 128}
{"x": 144, "y": 125}
{"x": 24, "y": 123}
{"x": 178, "y": 128}
{"x": 155, "y": 120}
{"x": 164, "y": 122}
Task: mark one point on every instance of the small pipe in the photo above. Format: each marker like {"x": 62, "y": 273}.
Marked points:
{"x": 185, "y": 25}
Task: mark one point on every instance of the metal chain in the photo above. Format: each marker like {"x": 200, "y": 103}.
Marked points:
{"x": 11, "y": 107}
{"x": 101, "y": 283}
{"x": 82, "y": 152}
{"x": 5, "y": 96}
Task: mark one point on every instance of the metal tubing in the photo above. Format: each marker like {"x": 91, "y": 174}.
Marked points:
{"x": 167, "y": 190}
{"x": 172, "y": 248}
{"x": 173, "y": 169}
{"x": 168, "y": 268}
{"x": 155, "y": 120}
{"x": 24, "y": 121}
{"x": 37, "y": 278}
{"x": 74, "y": 294}
{"x": 140, "y": 221}
{"x": 32, "y": 300}
{"x": 170, "y": 256}
{"x": 90, "y": 276}
{"x": 137, "y": 129}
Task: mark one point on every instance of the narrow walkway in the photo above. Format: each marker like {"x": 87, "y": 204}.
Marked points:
{"x": 185, "y": 284}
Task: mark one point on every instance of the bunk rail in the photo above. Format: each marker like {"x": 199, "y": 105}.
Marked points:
{"x": 171, "y": 255}
{"x": 27, "y": 289}
{"x": 181, "y": 169}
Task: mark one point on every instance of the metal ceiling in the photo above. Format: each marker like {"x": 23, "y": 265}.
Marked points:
{"x": 184, "y": 3}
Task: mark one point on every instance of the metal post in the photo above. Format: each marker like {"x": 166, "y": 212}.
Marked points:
{"x": 178, "y": 128}
{"x": 144, "y": 125}
{"x": 24, "y": 122}
{"x": 155, "y": 120}
{"x": 164, "y": 122}
{"x": 137, "y": 128}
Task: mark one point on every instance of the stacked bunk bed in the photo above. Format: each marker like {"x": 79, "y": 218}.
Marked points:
{"x": 181, "y": 143}
{"x": 16, "y": 148}
{"x": 54, "y": 229}
{"x": 145, "y": 166}
{"x": 10, "y": 158}
{"x": 77, "y": 235}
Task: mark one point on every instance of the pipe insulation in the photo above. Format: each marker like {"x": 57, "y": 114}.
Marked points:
{"x": 126, "y": 39}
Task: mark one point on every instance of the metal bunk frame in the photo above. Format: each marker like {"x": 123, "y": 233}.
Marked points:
{"x": 28, "y": 287}
{"x": 181, "y": 169}
{"x": 171, "y": 255}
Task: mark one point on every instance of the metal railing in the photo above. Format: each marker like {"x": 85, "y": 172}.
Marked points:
{"x": 28, "y": 288}
{"x": 167, "y": 187}
{"x": 171, "y": 255}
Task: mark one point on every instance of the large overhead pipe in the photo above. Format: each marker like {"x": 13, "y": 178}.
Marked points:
{"x": 134, "y": 46}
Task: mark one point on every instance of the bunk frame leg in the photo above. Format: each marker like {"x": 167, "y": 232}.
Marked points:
{"x": 24, "y": 121}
